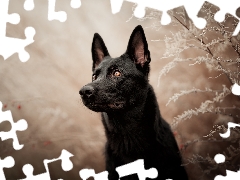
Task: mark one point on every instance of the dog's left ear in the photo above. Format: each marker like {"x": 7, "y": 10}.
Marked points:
{"x": 99, "y": 50}
{"x": 138, "y": 48}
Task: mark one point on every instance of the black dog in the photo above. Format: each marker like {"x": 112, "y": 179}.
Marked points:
{"x": 130, "y": 112}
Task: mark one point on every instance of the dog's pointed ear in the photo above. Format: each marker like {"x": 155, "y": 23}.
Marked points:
{"x": 99, "y": 50}
{"x": 138, "y": 48}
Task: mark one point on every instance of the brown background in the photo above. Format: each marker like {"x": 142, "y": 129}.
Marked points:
{"x": 44, "y": 90}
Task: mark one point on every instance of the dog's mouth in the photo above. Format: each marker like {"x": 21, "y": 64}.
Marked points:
{"x": 102, "y": 107}
{"x": 116, "y": 105}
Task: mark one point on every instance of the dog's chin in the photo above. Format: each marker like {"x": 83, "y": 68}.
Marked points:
{"x": 105, "y": 107}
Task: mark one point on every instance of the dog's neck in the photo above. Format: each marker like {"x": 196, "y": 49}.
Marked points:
{"x": 143, "y": 115}
{"x": 118, "y": 121}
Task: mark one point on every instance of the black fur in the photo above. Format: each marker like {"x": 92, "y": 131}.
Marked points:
{"x": 130, "y": 112}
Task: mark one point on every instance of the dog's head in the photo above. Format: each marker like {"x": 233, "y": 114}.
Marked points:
{"x": 118, "y": 83}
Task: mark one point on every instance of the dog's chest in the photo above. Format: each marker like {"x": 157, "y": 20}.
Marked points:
{"x": 126, "y": 137}
{"x": 128, "y": 143}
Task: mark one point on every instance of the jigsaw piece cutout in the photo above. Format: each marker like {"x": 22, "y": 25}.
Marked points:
{"x": 236, "y": 89}
{"x": 192, "y": 8}
{"x": 220, "y": 158}
{"x": 21, "y": 125}
{"x": 7, "y": 162}
{"x": 75, "y": 4}
{"x": 209, "y": 12}
{"x": 28, "y": 171}
{"x": 87, "y": 173}
{"x": 29, "y": 5}
{"x": 9, "y": 46}
{"x": 226, "y": 7}
{"x": 230, "y": 175}
{"x": 230, "y": 125}
{"x": 137, "y": 167}
{"x": 67, "y": 165}
{"x": 52, "y": 14}
{"x": 61, "y": 15}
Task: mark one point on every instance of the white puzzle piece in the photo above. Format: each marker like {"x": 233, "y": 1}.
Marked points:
{"x": 75, "y": 4}
{"x": 231, "y": 175}
{"x": 7, "y": 162}
{"x": 87, "y": 173}
{"x": 137, "y": 167}
{"x": 227, "y": 134}
{"x": 66, "y": 166}
{"x": 29, "y": 5}
{"x": 53, "y": 15}
{"x": 236, "y": 89}
{"x": 9, "y": 46}
{"x": 192, "y": 8}
{"x": 20, "y": 125}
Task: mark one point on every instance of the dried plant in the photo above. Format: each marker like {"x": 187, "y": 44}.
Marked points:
{"x": 217, "y": 52}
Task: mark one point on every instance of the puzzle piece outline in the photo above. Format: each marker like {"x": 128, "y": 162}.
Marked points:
{"x": 87, "y": 173}
{"x": 227, "y": 133}
{"x": 66, "y": 164}
{"x": 192, "y": 8}
{"x": 230, "y": 175}
{"x": 9, "y": 162}
{"x": 52, "y": 14}
{"x": 20, "y": 125}
{"x": 236, "y": 89}
{"x": 220, "y": 158}
{"x": 135, "y": 167}
{"x": 8, "y": 45}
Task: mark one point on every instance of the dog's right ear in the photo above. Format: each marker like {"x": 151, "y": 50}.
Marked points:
{"x": 99, "y": 50}
{"x": 138, "y": 51}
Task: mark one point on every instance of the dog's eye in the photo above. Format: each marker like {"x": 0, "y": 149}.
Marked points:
{"x": 94, "y": 77}
{"x": 117, "y": 73}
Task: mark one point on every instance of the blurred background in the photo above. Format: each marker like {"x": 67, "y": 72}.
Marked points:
{"x": 44, "y": 90}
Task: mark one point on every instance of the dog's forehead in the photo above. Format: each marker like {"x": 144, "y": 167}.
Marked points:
{"x": 109, "y": 62}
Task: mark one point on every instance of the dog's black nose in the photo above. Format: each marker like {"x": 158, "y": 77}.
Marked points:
{"x": 86, "y": 91}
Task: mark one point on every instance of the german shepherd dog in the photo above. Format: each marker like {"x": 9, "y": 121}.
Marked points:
{"x": 130, "y": 114}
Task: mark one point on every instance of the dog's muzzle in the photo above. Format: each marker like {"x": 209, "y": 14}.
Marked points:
{"x": 86, "y": 92}
{"x": 95, "y": 103}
